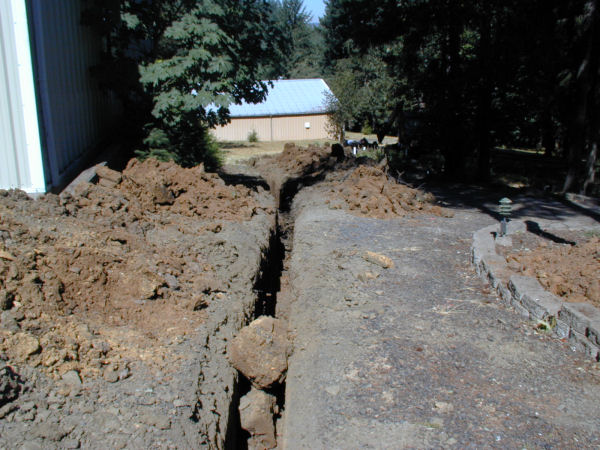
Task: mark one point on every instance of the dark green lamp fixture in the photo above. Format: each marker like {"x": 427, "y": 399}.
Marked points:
{"x": 505, "y": 211}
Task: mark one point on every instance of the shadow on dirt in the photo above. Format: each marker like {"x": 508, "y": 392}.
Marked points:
{"x": 534, "y": 227}
{"x": 250, "y": 181}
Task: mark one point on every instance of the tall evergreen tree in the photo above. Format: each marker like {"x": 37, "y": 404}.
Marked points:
{"x": 483, "y": 73}
{"x": 302, "y": 43}
{"x": 193, "y": 59}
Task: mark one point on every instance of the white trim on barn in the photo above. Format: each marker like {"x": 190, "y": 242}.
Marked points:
{"x": 27, "y": 87}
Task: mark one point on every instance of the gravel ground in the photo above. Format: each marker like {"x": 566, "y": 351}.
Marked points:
{"x": 422, "y": 355}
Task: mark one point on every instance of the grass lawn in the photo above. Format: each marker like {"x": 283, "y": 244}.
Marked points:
{"x": 241, "y": 150}
{"x": 235, "y": 151}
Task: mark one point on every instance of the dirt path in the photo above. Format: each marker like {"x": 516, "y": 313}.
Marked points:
{"x": 421, "y": 355}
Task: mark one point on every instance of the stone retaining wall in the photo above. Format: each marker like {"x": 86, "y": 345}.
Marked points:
{"x": 578, "y": 323}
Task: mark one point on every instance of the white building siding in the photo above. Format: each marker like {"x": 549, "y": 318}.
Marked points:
{"x": 20, "y": 151}
{"x": 52, "y": 113}
{"x": 75, "y": 112}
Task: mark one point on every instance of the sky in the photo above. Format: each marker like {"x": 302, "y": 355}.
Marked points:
{"x": 316, "y": 8}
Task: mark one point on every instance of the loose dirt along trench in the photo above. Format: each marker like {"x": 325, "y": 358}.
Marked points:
{"x": 123, "y": 299}
{"x": 118, "y": 298}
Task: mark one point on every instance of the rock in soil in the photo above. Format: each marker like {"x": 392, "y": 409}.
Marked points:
{"x": 257, "y": 409}
{"x": 9, "y": 384}
{"x": 379, "y": 259}
{"x": 260, "y": 351}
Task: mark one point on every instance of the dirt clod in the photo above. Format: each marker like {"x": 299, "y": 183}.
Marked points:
{"x": 379, "y": 259}
{"x": 256, "y": 416}
{"x": 9, "y": 384}
{"x": 260, "y": 351}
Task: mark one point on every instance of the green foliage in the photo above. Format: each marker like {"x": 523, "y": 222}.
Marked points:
{"x": 210, "y": 57}
{"x": 157, "y": 146}
{"x": 366, "y": 128}
{"x": 461, "y": 77}
{"x": 301, "y": 43}
{"x": 180, "y": 64}
{"x": 253, "y": 136}
{"x": 375, "y": 154}
{"x": 185, "y": 144}
{"x": 368, "y": 93}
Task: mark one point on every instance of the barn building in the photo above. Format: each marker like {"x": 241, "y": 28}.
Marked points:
{"x": 293, "y": 110}
{"x": 52, "y": 113}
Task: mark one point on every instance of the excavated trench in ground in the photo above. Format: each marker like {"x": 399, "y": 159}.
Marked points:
{"x": 269, "y": 287}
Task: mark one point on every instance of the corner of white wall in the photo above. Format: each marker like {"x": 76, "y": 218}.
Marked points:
{"x": 27, "y": 86}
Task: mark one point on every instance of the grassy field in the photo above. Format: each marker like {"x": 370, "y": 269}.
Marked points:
{"x": 241, "y": 150}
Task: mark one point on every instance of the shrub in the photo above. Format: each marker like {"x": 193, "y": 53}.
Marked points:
{"x": 366, "y": 128}
{"x": 188, "y": 146}
{"x": 253, "y": 136}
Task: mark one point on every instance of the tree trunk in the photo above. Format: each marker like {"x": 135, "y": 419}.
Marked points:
{"x": 592, "y": 156}
{"x": 454, "y": 153}
{"x": 590, "y": 168}
{"x": 547, "y": 131}
{"x": 584, "y": 83}
{"x": 484, "y": 98}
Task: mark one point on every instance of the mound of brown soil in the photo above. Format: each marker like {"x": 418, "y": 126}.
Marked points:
{"x": 191, "y": 192}
{"x": 367, "y": 191}
{"x": 293, "y": 162}
{"x": 570, "y": 272}
{"x": 296, "y": 160}
{"x": 91, "y": 279}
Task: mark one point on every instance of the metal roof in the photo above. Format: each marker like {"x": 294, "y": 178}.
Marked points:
{"x": 287, "y": 97}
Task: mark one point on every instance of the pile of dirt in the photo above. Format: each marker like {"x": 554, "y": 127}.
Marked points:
{"x": 292, "y": 164}
{"x": 92, "y": 279}
{"x": 354, "y": 185}
{"x": 297, "y": 161}
{"x": 191, "y": 192}
{"x": 367, "y": 191}
{"x": 568, "y": 271}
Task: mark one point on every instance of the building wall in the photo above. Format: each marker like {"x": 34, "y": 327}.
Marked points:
{"x": 20, "y": 151}
{"x": 278, "y": 128}
{"x": 52, "y": 113}
{"x": 75, "y": 113}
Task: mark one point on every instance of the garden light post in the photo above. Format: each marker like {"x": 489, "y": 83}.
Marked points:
{"x": 505, "y": 210}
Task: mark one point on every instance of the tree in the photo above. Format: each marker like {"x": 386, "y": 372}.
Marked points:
{"x": 301, "y": 42}
{"x": 195, "y": 58}
{"x": 584, "y": 125}
{"x": 368, "y": 93}
{"x": 478, "y": 74}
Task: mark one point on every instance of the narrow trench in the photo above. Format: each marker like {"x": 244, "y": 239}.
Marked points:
{"x": 269, "y": 281}
{"x": 269, "y": 285}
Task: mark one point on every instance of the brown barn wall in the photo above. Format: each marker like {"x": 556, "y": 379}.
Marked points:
{"x": 278, "y": 128}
